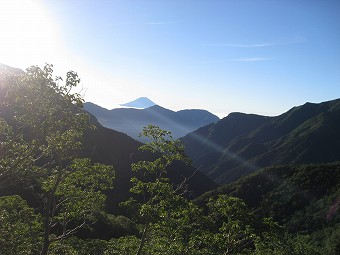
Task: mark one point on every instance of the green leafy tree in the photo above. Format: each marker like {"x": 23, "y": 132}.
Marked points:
{"x": 71, "y": 196}
{"x": 171, "y": 224}
{"x": 276, "y": 240}
{"x": 41, "y": 123}
{"x": 47, "y": 127}
{"x": 173, "y": 231}
{"x": 16, "y": 156}
{"x": 126, "y": 245}
{"x": 229, "y": 226}
{"x": 160, "y": 208}
{"x": 20, "y": 227}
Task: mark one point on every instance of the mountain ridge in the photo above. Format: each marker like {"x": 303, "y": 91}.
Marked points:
{"x": 131, "y": 121}
{"x": 242, "y": 143}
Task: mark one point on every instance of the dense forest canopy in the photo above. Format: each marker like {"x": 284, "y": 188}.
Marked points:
{"x": 53, "y": 201}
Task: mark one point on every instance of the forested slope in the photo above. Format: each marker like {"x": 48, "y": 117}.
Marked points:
{"x": 241, "y": 143}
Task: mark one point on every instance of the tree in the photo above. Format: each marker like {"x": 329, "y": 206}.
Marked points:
{"x": 126, "y": 245}
{"x": 20, "y": 228}
{"x": 16, "y": 156}
{"x": 171, "y": 224}
{"x": 228, "y": 226}
{"x": 276, "y": 240}
{"x": 47, "y": 126}
{"x": 71, "y": 195}
{"x": 159, "y": 204}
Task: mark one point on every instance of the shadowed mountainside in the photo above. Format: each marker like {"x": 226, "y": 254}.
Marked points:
{"x": 108, "y": 146}
{"x": 303, "y": 198}
{"x": 242, "y": 143}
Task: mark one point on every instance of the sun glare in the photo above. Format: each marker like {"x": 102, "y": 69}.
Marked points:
{"x": 27, "y": 34}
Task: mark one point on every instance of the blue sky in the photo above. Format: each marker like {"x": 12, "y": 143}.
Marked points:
{"x": 253, "y": 56}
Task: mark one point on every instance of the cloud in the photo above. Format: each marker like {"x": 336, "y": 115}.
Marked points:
{"x": 254, "y": 59}
{"x": 162, "y": 23}
{"x": 260, "y": 45}
{"x": 295, "y": 40}
{"x": 250, "y": 59}
{"x": 142, "y": 23}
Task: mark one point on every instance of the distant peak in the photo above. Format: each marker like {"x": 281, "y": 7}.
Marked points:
{"x": 142, "y": 102}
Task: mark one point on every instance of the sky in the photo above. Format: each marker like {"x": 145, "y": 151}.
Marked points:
{"x": 252, "y": 56}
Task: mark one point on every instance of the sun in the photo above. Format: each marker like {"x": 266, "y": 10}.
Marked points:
{"x": 27, "y": 34}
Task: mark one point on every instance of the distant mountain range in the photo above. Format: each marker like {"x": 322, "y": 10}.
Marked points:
{"x": 131, "y": 121}
{"x": 242, "y": 143}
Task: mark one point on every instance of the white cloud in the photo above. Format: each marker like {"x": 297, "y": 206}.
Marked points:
{"x": 162, "y": 23}
{"x": 250, "y": 59}
{"x": 295, "y": 40}
{"x": 141, "y": 23}
{"x": 240, "y": 45}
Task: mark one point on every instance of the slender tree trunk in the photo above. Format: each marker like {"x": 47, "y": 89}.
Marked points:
{"x": 142, "y": 241}
{"x": 46, "y": 245}
{"x": 46, "y": 242}
{"x": 47, "y": 214}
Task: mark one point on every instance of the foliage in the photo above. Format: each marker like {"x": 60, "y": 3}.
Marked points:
{"x": 304, "y": 199}
{"x": 20, "y": 228}
{"x": 126, "y": 245}
{"x": 170, "y": 224}
{"x": 160, "y": 200}
{"x": 40, "y": 149}
{"x": 276, "y": 240}
{"x": 230, "y": 221}
{"x": 76, "y": 246}
{"x": 16, "y": 156}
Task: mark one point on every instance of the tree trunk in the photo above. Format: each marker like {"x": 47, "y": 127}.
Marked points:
{"x": 142, "y": 241}
{"x": 47, "y": 214}
{"x": 46, "y": 243}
